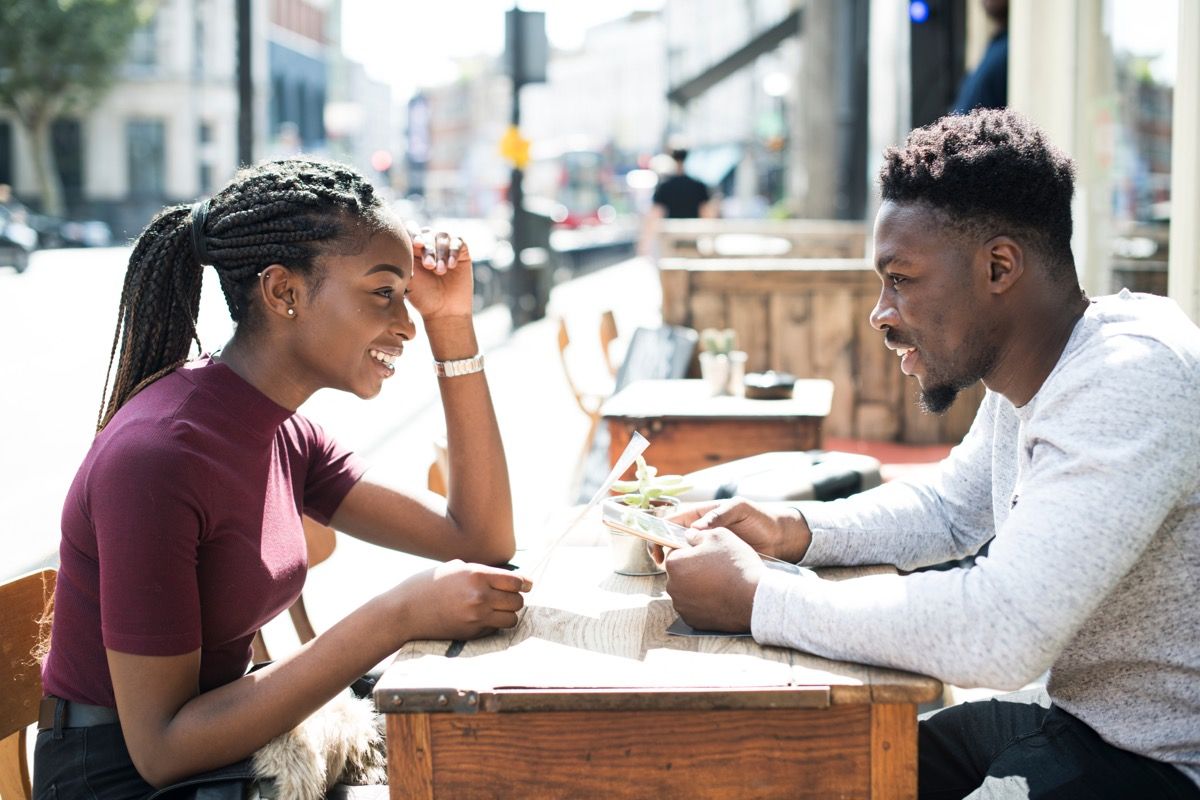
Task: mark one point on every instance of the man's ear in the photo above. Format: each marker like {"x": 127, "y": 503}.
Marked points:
{"x": 278, "y": 287}
{"x": 1005, "y": 261}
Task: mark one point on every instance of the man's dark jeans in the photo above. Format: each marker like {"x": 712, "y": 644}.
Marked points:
{"x": 1012, "y": 747}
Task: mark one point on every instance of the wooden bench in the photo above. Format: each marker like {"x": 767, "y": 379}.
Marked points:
{"x": 809, "y": 317}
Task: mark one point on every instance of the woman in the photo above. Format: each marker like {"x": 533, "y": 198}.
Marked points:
{"x": 182, "y": 532}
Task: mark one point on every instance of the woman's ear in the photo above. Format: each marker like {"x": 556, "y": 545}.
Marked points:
{"x": 1005, "y": 263}
{"x": 278, "y": 287}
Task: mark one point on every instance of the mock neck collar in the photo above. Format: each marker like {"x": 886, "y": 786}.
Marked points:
{"x": 247, "y": 406}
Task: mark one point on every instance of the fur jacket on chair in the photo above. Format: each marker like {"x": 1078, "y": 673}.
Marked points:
{"x": 342, "y": 742}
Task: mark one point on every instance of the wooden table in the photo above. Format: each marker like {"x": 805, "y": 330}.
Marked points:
{"x": 590, "y": 697}
{"x": 690, "y": 429}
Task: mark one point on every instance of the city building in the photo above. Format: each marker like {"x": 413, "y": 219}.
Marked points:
{"x": 456, "y": 127}
{"x": 167, "y": 130}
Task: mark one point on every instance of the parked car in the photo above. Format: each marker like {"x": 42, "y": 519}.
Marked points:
{"x": 17, "y": 240}
{"x": 58, "y": 232}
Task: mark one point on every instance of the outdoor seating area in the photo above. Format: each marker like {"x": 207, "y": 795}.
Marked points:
{"x": 696, "y": 401}
{"x": 684, "y": 436}
{"x": 651, "y": 359}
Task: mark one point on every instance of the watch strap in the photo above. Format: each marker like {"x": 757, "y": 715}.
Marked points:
{"x": 458, "y": 366}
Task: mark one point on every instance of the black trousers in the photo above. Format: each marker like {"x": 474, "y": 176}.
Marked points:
{"x": 1013, "y": 747}
{"x": 91, "y": 763}
{"x": 94, "y": 764}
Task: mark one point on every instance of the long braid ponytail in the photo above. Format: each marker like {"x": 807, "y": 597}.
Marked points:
{"x": 282, "y": 212}
{"x": 160, "y": 302}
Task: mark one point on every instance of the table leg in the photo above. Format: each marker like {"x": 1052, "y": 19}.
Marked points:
{"x": 893, "y": 751}
{"x": 410, "y": 757}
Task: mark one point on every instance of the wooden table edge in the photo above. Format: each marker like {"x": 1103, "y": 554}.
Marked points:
{"x": 398, "y": 700}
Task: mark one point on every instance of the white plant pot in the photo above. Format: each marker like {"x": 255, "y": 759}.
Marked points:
{"x": 714, "y": 368}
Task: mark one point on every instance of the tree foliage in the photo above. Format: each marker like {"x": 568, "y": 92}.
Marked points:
{"x": 58, "y": 56}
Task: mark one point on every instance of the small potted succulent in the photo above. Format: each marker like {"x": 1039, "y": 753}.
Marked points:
{"x": 722, "y": 365}
{"x": 649, "y": 493}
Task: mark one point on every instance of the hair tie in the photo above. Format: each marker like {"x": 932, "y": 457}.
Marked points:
{"x": 199, "y": 220}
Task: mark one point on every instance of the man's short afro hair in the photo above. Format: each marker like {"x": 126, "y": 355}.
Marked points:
{"x": 990, "y": 172}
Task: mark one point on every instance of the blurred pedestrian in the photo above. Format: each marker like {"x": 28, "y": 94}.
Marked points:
{"x": 987, "y": 86}
{"x": 679, "y": 196}
{"x": 182, "y": 532}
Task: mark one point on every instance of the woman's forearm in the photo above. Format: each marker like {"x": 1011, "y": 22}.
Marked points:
{"x": 229, "y": 723}
{"x": 479, "y": 495}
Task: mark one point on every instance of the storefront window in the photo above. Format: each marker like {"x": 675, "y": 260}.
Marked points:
{"x": 1134, "y": 72}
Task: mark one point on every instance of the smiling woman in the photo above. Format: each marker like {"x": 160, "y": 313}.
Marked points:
{"x": 182, "y": 532}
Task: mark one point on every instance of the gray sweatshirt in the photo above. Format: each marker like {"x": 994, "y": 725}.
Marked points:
{"x": 1092, "y": 491}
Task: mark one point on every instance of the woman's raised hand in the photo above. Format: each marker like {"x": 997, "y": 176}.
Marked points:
{"x": 457, "y": 600}
{"x": 443, "y": 276}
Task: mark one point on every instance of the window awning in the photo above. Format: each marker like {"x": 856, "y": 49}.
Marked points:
{"x": 711, "y": 165}
{"x": 764, "y": 42}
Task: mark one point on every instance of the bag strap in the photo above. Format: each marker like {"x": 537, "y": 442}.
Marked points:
{"x": 232, "y": 782}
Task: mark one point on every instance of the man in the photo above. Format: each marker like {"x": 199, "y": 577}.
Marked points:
{"x": 681, "y": 196}
{"x": 987, "y": 86}
{"x": 1083, "y": 463}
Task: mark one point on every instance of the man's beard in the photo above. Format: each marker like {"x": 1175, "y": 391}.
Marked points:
{"x": 938, "y": 399}
{"x": 942, "y": 392}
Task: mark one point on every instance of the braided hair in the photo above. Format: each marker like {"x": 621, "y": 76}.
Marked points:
{"x": 280, "y": 212}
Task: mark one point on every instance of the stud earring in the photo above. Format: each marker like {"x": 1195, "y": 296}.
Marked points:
{"x": 291, "y": 312}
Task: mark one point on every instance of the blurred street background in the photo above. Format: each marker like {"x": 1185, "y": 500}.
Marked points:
{"x": 539, "y": 133}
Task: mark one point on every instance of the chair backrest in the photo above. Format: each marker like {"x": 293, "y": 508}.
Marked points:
{"x": 588, "y": 400}
{"x": 658, "y": 353}
{"x": 321, "y": 540}
{"x": 23, "y": 603}
{"x": 439, "y": 469}
{"x": 653, "y": 354}
{"x": 608, "y": 334}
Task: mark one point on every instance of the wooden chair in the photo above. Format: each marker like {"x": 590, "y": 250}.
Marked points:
{"x": 608, "y": 335}
{"x": 588, "y": 400}
{"x": 23, "y": 602}
{"x": 653, "y": 353}
{"x": 439, "y": 470}
{"x": 321, "y": 541}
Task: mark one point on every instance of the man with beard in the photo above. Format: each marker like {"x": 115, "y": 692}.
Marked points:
{"x": 1082, "y": 467}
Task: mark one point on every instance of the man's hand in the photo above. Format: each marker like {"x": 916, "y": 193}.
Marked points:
{"x": 779, "y": 531}
{"x": 712, "y": 583}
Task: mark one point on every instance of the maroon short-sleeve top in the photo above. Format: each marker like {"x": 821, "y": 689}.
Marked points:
{"x": 182, "y": 529}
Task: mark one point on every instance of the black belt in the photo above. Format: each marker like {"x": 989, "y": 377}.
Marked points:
{"x": 74, "y": 715}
